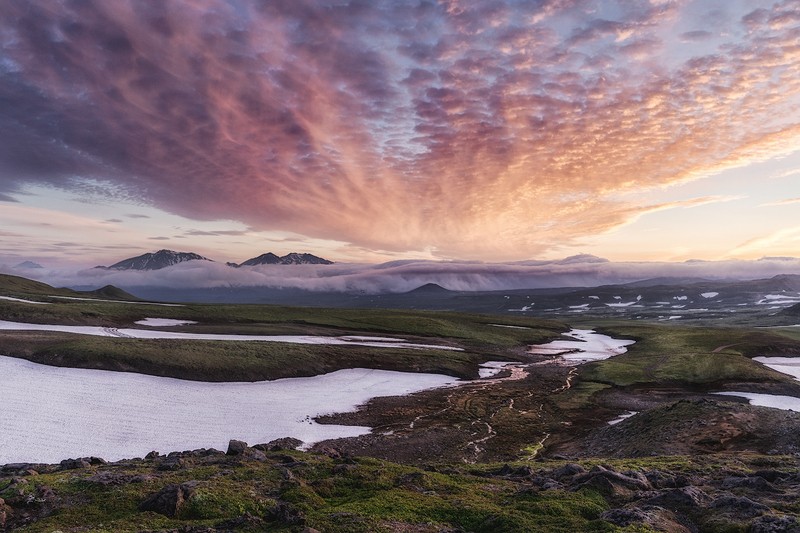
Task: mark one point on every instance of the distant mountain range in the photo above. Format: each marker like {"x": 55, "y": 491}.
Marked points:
{"x": 164, "y": 258}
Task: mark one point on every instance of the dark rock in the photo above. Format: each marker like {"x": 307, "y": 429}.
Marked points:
{"x": 683, "y": 500}
{"x": 655, "y": 517}
{"x": 774, "y": 524}
{"x": 111, "y": 478}
{"x": 73, "y": 464}
{"x": 567, "y": 470}
{"x": 611, "y": 484}
{"x": 343, "y": 469}
{"x": 152, "y": 455}
{"x": 277, "y": 445}
{"x": 772, "y": 475}
{"x": 4, "y": 512}
{"x": 236, "y": 447}
{"x": 661, "y": 480}
{"x": 169, "y": 500}
{"x": 97, "y": 461}
{"x": 255, "y": 455}
{"x": 286, "y": 513}
{"x": 756, "y": 483}
{"x": 739, "y": 506}
{"x": 172, "y": 462}
{"x": 245, "y": 521}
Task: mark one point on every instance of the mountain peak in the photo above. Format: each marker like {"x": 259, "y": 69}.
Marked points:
{"x": 28, "y": 264}
{"x": 293, "y": 258}
{"x": 156, "y": 260}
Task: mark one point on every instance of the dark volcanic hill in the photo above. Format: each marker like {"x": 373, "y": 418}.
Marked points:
{"x": 264, "y": 259}
{"x": 293, "y": 258}
{"x": 156, "y": 261}
{"x": 303, "y": 259}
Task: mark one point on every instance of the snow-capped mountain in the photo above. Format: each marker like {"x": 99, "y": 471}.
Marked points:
{"x": 156, "y": 261}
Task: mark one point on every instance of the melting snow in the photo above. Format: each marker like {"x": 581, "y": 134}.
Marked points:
{"x": 81, "y": 412}
{"x": 620, "y": 418}
{"x": 164, "y": 322}
{"x": 114, "y": 301}
{"x": 376, "y": 342}
{"x": 9, "y": 298}
{"x": 680, "y": 298}
{"x": 491, "y": 368}
{"x": 709, "y": 294}
{"x": 786, "y": 365}
{"x": 788, "y": 403}
{"x": 587, "y": 346}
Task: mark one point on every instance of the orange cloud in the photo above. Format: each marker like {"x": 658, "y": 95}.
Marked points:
{"x": 463, "y": 129}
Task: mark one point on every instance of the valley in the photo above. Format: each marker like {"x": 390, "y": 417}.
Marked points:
{"x": 525, "y": 415}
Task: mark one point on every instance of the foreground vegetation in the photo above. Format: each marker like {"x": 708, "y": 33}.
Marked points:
{"x": 267, "y": 488}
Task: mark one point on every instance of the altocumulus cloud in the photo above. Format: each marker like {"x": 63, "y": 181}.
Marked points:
{"x": 472, "y": 129}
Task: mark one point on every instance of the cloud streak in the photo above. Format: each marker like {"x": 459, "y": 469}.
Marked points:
{"x": 474, "y": 130}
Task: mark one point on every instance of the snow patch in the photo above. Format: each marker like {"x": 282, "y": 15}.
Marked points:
{"x": 163, "y": 322}
{"x": 10, "y": 299}
{"x": 377, "y": 342}
{"x": 787, "y": 403}
{"x": 587, "y": 346}
{"x": 105, "y": 414}
{"x": 709, "y": 294}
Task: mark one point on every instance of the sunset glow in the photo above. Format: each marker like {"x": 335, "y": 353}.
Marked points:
{"x": 371, "y": 131}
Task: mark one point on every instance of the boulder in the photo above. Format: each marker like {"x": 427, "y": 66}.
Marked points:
{"x": 688, "y": 500}
{"x": 169, "y": 500}
{"x": 74, "y": 464}
{"x": 652, "y": 516}
{"x": 739, "y": 506}
{"x": 277, "y": 445}
{"x": 236, "y": 447}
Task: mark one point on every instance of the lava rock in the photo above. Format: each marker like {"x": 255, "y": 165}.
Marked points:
{"x": 236, "y": 447}
{"x": 683, "y": 500}
{"x": 169, "y": 500}
{"x": 774, "y": 524}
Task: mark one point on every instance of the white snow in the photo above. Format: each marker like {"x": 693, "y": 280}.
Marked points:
{"x": 680, "y": 298}
{"x": 674, "y": 317}
{"x": 587, "y": 346}
{"x": 622, "y": 417}
{"x": 786, "y": 365}
{"x": 594, "y": 297}
{"x": 53, "y": 413}
{"x": 524, "y": 308}
{"x": 788, "y": 403}
{"x": 621, "y": 304}
{"x": 508, "y": 326}
{"x": 157, "y": 334}
{"x": 582, "y": 306}
{"x": 773, "y": 299}
{"x": 10, "y": 299}
{"x": 163, "y": 322}
{"x": 491, "y": 368}
{"x": 709, "y": 294}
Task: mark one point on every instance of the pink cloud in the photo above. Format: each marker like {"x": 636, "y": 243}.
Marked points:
{"x": 474, "y": 130}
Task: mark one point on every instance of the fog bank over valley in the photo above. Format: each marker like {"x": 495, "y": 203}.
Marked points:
{"x": 403, "y": 276}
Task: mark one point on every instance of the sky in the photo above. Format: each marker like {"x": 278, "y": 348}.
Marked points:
{"x": 378, "y": 130}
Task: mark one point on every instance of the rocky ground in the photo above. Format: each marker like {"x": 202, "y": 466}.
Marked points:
{"x": 272, "y": 487}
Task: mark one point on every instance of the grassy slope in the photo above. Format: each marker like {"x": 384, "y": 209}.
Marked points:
{"x": 251, "y": 361}
{"x": 670, "y": 355}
